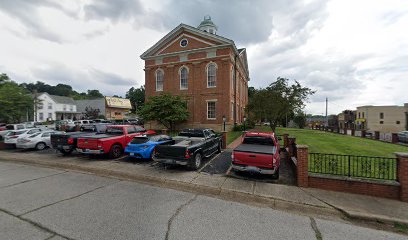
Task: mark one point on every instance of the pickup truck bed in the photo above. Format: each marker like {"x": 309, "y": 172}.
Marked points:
{"x": 252, "y": 148}
{"x": 67, "y": 142}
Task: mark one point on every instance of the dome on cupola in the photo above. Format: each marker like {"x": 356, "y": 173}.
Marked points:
{"x": 207, "y": 25}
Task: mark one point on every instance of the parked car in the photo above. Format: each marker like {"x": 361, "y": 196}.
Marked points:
{"x": 403, "y": 136}
{"x": 189, "y": 148}
{"x": 93, "y": 126}
{"x": 112, "y": 142}
{"x": 259, "y": 153}
{"x": 11, "y": 127}
{"x": 66, "y": 143}
{"x": 69, "y": 125}
{"x": 13, "y": 136}
{"x": 143, "y": 146}
{"x": 39, "y": 140}
{"x": 3, "y": 126}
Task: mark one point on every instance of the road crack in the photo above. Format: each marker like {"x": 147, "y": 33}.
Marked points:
{"x": 177, "y": 213}
{"x": 316, "y": 229}
{"x": 34, "y": 179}
{"x": 67, "y": 199}
{"x": 35, "y": 224}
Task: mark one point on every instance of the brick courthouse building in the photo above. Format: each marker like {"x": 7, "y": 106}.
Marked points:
{"x": 205, "y": 68}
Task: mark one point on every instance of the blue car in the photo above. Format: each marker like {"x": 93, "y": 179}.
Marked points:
{"x": 143, "y": 146}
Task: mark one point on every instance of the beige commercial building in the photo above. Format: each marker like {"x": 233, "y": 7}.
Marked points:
{"x": 386, "y": 119}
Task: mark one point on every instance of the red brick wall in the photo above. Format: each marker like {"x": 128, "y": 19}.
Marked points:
{"x": 171, "y": 59}
{"x": 366, "y": 188}
{"x": 402, "y": 173}
{"x": 197, "y": 55}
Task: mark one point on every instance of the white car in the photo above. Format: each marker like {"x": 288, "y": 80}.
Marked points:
{"x": 39, "y": 140}
{"x": 13, "y": 136}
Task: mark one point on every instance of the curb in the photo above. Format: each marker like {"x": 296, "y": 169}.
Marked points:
{"x": 225, "y": 194}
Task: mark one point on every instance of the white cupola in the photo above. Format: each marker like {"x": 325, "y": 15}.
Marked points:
{"x": 207, "y": 25}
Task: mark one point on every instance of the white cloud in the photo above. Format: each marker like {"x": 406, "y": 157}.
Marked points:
{"x": 353, "y": 52}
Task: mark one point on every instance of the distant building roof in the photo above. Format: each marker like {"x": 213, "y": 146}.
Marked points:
{"x": 60, "y": 99}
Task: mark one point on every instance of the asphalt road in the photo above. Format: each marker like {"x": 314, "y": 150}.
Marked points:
{"x": 42, "y": 203}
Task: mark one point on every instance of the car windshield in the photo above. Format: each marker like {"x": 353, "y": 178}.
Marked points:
{"x": 116, "y": 131}
{"x": 139, "y": 140}
{"x": 34, "y": 135}
{"x": 17, "y": 133}
{"x": 258, "y": 140}
{"x": 192, "y": 133}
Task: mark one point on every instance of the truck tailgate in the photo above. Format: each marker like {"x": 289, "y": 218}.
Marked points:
{"x": 254, "y": 155}
{"x": 169, "y": 151}
{"x": 87, "y": 143}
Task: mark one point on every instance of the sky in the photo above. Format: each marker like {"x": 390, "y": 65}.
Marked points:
{"x": 352, "y": 52}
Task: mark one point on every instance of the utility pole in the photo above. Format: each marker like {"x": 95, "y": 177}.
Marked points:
{"x": 327, "y": 120}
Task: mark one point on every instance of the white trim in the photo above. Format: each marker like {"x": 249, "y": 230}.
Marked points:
{"x": 182, "y": 36}
{"x": 183, "y": 40}
{"x": 206, "y": 70}
{"x": 180, "y": 76}
{"x": 215, "y": 109}
{"x": 155, "y": 77}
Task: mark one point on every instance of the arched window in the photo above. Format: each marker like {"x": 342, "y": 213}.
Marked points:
{"x": 183, "y": 78}
{"x": 159, "y": 80}
{"x": 211, "y": 75}
{"x": 232, "y": 78}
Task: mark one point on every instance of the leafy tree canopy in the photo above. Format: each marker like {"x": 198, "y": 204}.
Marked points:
{"x": 278, "y": 100}
{"x": 15, "y": 101}
{"x": 137, "y": 97}
{"x": 166, "y": 109}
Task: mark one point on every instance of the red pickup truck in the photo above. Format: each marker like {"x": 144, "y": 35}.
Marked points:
{"x": 258, "y": 152}
{"x": 112, "y": 142}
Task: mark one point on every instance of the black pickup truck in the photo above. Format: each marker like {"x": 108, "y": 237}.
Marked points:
{"x": 66, "y": 143}
{"x": 189, "y": 148}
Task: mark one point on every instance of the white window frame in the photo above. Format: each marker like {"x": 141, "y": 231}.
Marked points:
{"x": 181, "y": 75}
{"x": 41, "y": 116}
{"x": 215, "y": 74}
{"x": 215, "y": 108}
{"x": 49, "y": 105}
{"x": 64, "y": 107}
{"x": 162, "y": 80}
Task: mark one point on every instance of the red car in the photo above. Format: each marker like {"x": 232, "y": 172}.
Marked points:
{"x": 258, "y": 152}
{"x": 112, "y": 142}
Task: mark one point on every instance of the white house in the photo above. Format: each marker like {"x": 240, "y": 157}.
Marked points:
{"x": 55, "y": 108}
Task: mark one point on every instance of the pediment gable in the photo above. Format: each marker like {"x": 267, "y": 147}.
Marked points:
{"x": 196, "y": 39}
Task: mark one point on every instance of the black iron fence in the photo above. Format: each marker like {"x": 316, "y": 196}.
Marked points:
{"x": 384, "y": 168}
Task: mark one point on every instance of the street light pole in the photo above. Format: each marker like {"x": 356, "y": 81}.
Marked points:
{"x": 224, "y": 119}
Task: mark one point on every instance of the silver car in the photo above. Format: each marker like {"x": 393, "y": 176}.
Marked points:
{"x": 39, "y": 141}
{"x": 403, "y": 136}
{"x": 13, "y": 136}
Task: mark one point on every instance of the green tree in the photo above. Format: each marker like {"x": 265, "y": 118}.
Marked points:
{"x": 136, "y": 97}
{"x": 15, "y": 101}
{"x": 300, "y": 119}
{"x": 278, "y": 100}
{"x": 166, "y": 109}
{"x": 92, "y": 94}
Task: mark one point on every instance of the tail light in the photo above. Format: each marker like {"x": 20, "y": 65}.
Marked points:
{"x": 70, "y": 141}
{"x": 187, "y": 154}
{"x": 232, "y": 156}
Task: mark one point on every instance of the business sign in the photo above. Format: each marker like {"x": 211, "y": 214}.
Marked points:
{"x": 115, "y": 102}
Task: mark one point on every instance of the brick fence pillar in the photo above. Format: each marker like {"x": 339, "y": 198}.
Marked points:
{"x": 353, "y": 132}
{"x": 302, "y": 163}
{"x": 338, "y": 130}
{"x": 285, "y": 140}
{"x": 345, "y": 131}
{"x": 377, "y": 135}
{"x": 224, "y": 139}
{"x": 402, "y": 174}
{"x": 363, "y": 133}
{"x": 394, "y": 138}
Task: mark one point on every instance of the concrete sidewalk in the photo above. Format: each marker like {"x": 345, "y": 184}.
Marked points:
{"x": 292, "y": 198}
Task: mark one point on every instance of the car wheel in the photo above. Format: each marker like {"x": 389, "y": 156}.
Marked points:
{"x": 40, "y": 146}
{"x": 196, "y": 161}
{"x": 275, "y": 176}
{"x": 115, "y": 151}
{"x": 66, "y": 152}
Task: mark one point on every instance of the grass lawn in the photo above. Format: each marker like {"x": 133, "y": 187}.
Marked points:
{"x": 325, "y": 142}
{"x": 232, "y": 135}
